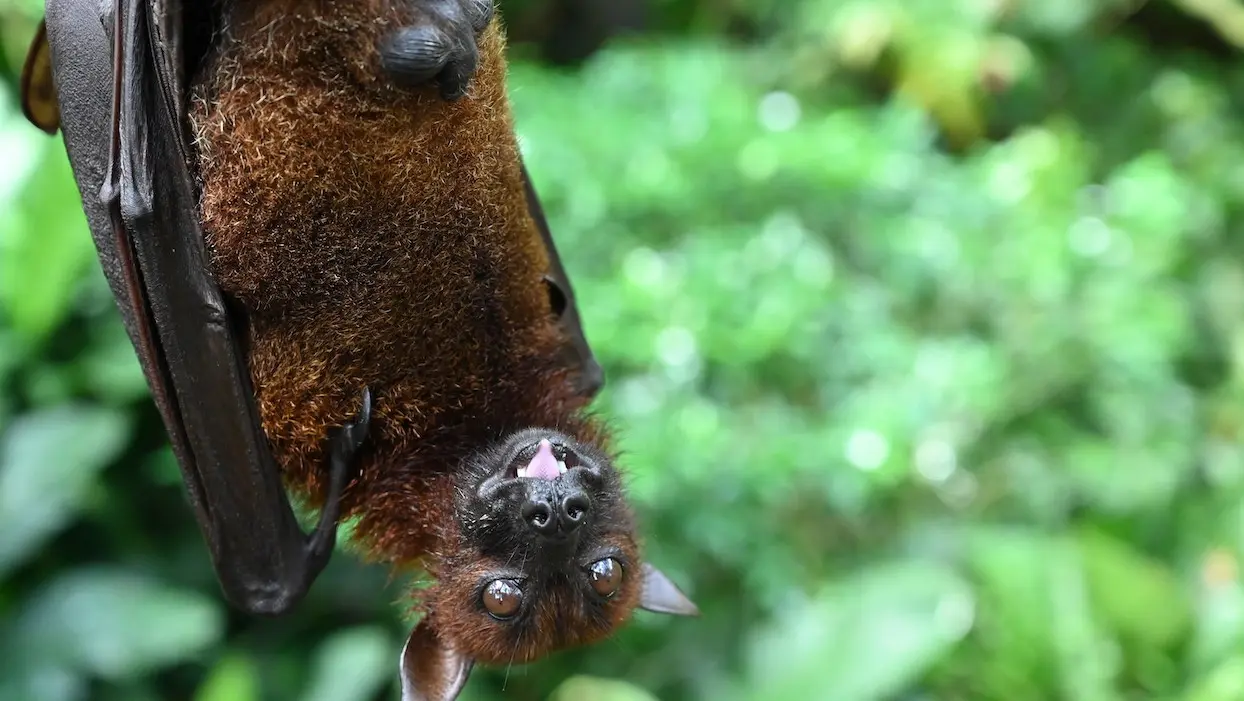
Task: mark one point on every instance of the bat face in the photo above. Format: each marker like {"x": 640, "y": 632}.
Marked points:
{"x": 546, "y": 554}
{"x": 540, "y": 555}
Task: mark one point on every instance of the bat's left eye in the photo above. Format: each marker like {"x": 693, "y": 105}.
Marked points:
{"x": 503, "y": 598}
{"x": 605, "y": 576}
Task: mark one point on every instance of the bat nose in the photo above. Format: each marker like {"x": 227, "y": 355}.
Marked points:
{"x": 538, "y": 514}
{"x": 556, "y": 517}
{"x": 575, "y": 508}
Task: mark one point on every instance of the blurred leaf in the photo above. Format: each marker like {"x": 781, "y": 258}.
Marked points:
{"x": 1136, "y": 596}
{"x": 233, "y": 678}
{"x": 116, "y": 624}
{"x": 353, "y": 665}
{"x": 1219, "y": 620}
{"x": 584, "y": 687}
{"x": 865, "y": 637}
{"x": 1224, "y": 683}
{"x": 24, "y": 678}
{"x": 1016, "y": 622}
{"x": 110, "y": 367}
{"x": 48, "y": 464}
{"x": 45, "y": 249}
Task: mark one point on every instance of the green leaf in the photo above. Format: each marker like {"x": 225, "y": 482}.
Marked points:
{"x": 22, "y": 677}
{"x": 1136, "y": 595}
{"x": 48, "y": 464}
{"x": 110, "y": 367}
{"x": 581, "y": 687}
{"x": 45, "y": 248}
{"x": 234, "y": 678}
{"x": 1224, "y": 683}
{"x": 1012, "y": 569}
{"x": 353, "y": 665}
{"x": 1219, "y": 623}
{"x": 864, "y": 638}
{"x": 116, "y": 624}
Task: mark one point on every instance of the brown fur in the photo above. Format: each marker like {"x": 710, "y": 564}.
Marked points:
{"x": 377, "y": 237}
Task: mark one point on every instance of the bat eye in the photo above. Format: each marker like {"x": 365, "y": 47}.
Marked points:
{"x": 502, "y": 598}
{"x": 605, "y": 576}
{"x": 557, "y": 298}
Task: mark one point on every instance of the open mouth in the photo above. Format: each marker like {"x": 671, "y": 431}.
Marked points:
{"x": 543, "y": 460}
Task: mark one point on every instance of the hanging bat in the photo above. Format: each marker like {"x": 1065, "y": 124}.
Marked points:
{"x": 338, "y": 278}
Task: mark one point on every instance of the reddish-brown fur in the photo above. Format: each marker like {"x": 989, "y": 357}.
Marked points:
{"x": 379, "y": 237}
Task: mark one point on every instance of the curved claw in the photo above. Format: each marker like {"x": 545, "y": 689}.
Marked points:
{"x": 342, "y": 451}
{"x": 354, "y": 433}
{"x": 440, "y": 47}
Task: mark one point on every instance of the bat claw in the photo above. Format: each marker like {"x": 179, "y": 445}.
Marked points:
{"x": 354, "y": 433}
{"x": 344, "y": 445}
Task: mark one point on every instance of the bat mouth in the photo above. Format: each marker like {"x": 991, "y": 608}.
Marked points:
{"x": 544, "y": 459}
{"x": 539, "y": 458}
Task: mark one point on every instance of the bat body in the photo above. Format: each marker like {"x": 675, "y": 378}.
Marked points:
{"x": 316, "y": 222}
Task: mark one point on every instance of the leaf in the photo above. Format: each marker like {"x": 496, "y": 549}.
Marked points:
{"x": 48, "y": 464}
{"x": 863, "y": 638}
{"x": 1224, "y": 683}
{"x": 109, "y": 367}
{"x": 582, "y": 686}
{"x": 353, "y": 665}
{"x": 234, "y": 678}
{"x": 22, "y": 677}
{"x": 1219, "y": 622}
{"x": 1136, "y": 595}
{"x": 1012, "y": 569}
{"x": 116, "y": 624}
{"x": 45, "y": 248}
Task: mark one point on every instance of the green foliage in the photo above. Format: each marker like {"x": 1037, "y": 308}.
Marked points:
{"x": 922, "y": 322}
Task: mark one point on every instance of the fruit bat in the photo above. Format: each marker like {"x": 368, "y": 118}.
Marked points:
{"x": 338, "y": 279}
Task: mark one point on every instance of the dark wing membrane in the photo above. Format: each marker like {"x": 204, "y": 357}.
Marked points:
{"x": 136, "y": 183}
{"x": 591, "y": 375}
{"x": 38, "y": 92}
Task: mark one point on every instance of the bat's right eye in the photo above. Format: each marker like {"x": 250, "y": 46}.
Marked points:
{"x": 502, "y": 599}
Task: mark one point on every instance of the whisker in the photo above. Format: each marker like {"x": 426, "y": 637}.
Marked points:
{"x": 519, "y": 643}
{"x": 509, "y": 665}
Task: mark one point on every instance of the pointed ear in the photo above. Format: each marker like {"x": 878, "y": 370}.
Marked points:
{"x": 431, "y": 670}
{"x": 662, "y": 596}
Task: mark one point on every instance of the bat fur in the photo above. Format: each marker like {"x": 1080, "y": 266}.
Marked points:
{"x": 378, "y": 236}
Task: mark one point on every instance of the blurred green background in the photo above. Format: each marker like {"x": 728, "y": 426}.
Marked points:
{"x": 924, "y": 325}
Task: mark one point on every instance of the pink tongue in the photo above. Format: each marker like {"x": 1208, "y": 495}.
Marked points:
{"x": 543, "y": 466}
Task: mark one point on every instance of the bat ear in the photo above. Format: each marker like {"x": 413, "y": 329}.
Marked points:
{"x": 37, "y": 87}
{"x": 662, "y": 596}
{"x": 431, "y": 670}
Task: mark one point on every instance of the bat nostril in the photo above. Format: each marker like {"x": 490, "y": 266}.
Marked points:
{"x": 575, "y": 509}
{"x": 539, "y": 516}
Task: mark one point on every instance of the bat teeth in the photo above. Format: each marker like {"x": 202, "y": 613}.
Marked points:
{"x": 561, "y": 467}
{"x": 521, "y": 472}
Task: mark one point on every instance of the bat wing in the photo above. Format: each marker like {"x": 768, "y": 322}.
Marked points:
{"x": 591, "y": 377}
{"x": 121, "y": 97}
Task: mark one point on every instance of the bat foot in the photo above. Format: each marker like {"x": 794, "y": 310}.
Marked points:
{"x": 441, "y": 47}
{"x": 343, "y": 448}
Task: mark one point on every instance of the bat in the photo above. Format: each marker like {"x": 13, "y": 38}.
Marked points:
{"x": 338, "y": 279}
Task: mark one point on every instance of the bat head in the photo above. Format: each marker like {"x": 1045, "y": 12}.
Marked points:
{"x": 542, "y": 557}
